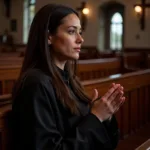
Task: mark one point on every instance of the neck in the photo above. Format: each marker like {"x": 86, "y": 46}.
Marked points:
{"x": 60, "y": 64}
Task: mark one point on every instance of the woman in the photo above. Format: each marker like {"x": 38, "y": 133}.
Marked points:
{"x": 50, "y": 109}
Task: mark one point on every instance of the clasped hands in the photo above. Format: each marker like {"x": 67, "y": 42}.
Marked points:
{"x": 104, "y": 107}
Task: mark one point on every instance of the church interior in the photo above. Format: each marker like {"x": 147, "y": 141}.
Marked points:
{"x": 116, "y": 49}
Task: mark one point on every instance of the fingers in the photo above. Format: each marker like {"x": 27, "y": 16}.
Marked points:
{"x": 116, "y": 99}
{"x": 116, "y": 95}
{"x": 116, "y": 102}
{"x": 111, "y": 91}
{"x": 122, "y": 100}
{"x": 109, "y": 103}
{"x": 95, "y": 94}
{"x": 113, "y": 84}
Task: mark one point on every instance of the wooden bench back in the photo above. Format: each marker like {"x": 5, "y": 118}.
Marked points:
{"x": 135, "y": 112}
{"x": 133, "y": 115}
{"x": 5, "y": 127}
{"x": 87, "y": 69}
{"x": 98, "y": 68}
{"x": 135, "y": 60}
{"x": 8, "y": 76}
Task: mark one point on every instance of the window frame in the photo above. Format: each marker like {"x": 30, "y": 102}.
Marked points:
{"x": 107, "y": 9}
{"x": 27, "y": 18}
{"x": 115, "y": 24}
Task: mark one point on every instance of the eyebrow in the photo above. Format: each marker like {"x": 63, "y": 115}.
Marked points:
{"x": 75, "y": 27}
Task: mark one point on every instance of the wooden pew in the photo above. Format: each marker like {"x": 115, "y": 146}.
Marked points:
{"x": 11, "y": 61}
{"x": 98, "y": 68}
{"x": 133, "y": 115}
{"x": 93, "y": 53}
{"x": 11, "y": 58}
{"x": 9, "y": 54}
{"x": 148, "y": 60}
{"x": 86, "y": 70}
{"x": 135, "y": 60}
{"x": 8, "y": 76}
{"x": 135, "y": 112}
{"x": 5, "y": 127}
{"x": 5, "y": 99}
{"x": 5, "y": 122}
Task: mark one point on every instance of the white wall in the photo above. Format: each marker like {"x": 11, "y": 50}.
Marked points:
{"x": 132, "y": 28}
{"x": 92, "y": 27}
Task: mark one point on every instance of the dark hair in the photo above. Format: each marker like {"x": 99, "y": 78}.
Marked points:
{"x": 46, "y": 22}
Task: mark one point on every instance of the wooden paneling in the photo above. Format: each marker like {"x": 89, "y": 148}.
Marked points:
{"x": 98, "y": 68}
{"x": 137, "y": 105}
{"x": 141, "y": 107}
{"x": 4, "y": 130}
{"x": 135, "y": 60}
{"x": 134, "y": 110}
{"x": 125, "y": 116}
{"x": 147, "y": 104}
{"x": 8, "y": 76}
{"x": 86, "y": 70}
{"x": 129, "y": 117}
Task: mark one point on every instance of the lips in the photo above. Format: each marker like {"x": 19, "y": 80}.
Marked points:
{"x": 77, "y": 49}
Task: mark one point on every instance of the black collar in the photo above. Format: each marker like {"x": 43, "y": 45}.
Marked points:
{"x": 64, "y": 73}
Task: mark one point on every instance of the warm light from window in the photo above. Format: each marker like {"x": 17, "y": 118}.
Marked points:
{"x": 138, "y": 9}
{"x": 116, "y": 31}
{"x": 85, "y": 11}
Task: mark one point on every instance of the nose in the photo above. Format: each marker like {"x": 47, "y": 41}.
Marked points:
{"x": 80, "y": 39}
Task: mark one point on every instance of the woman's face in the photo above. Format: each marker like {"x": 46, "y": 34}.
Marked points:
{"x": 66, "y": 42}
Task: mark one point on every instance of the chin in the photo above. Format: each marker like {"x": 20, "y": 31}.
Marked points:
{"x": 75, "y": 57}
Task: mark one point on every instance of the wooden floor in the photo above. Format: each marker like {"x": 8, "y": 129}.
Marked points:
{"x": 136, "y": 139}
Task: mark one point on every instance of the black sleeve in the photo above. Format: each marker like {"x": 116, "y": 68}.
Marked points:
{"x": 112, "y": 130}
{"x": 37, "y": 129}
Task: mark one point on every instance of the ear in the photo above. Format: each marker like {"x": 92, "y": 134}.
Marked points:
{"x": 49, "y": 40}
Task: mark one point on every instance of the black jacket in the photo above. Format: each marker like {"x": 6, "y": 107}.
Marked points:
{"x": 41, "y": 122}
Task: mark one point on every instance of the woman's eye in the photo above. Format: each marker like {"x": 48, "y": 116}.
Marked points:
{"x": 71, "y": 32}
{"x": 80, "y": 32}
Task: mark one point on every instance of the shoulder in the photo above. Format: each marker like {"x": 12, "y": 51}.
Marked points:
{"x": 34, "y": 77}
{"x": 34, "y": 82}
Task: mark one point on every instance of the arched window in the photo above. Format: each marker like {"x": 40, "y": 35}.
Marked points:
{"x": 29, "y": 12}
{"x": 111, "y": 33}
{"x": 116, "y": 31}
